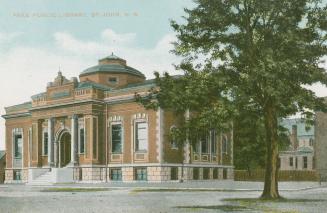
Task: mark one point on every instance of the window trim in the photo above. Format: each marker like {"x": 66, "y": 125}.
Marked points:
{"x": 122, "y": 136}
{"x": 135, "y": 135}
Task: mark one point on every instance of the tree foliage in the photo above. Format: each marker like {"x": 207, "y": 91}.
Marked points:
{"x": 261, "y": 51}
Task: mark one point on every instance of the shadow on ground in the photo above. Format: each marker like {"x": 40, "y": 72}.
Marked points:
{"x": 225, "y": 208}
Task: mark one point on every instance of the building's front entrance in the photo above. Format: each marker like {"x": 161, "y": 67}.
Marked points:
{"x": 64, "y": 149}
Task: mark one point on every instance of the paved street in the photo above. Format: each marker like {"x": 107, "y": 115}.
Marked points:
{"x": 223, "y": 196}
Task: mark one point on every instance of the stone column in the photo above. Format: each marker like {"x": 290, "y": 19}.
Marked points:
{"x": 74, "y": 140}
{"x": 50, "y": 142}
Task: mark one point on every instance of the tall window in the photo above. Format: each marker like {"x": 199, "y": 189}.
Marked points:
{"x": 81, "y": 140}
{"x": 224, "y": 144}
{"x": 173, "y": 141}
{"x": 141, "y": 136}
{"x": 291, "y": 161}
{"x": 305, "y": 162}
{"x": 18, "y": 143}
{"x": 116, "y": 138}
{"x": 213, "y": 141}
{"x": 45, "y": 143}
{"x": 310, "y": 142}
{"x": 196, "y": 147}
{"x": 204, "y": 145}
{"x": 81, "y": 135}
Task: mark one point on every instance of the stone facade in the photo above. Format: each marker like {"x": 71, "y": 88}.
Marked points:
{"x": 95, "y": 127}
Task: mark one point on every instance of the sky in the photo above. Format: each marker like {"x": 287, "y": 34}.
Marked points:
{"x": 39, "y": 37}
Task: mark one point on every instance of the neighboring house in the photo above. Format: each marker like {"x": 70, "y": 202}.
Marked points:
{"x": 300, "y": 153}
{"x": 92, "y": 129}
{"x": 2, "y": 165}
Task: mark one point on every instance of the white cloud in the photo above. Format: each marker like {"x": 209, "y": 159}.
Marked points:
{"x": 8, "y": 37}
{"x": 113, "y": 38}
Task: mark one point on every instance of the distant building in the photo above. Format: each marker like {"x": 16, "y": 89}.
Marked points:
{"x": 300, "y": 153}
{"x": 92, "y": 130}
{"x": 321, "y": 144}
{"x": 2, "y": 165}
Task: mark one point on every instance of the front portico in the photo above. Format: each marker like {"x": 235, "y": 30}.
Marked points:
{"x": 63, "y": 145}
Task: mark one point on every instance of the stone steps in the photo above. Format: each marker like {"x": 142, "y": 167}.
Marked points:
{"x": 45, "y": 179}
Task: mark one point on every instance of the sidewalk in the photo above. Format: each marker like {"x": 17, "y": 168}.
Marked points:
{"x": 223, "y": 185}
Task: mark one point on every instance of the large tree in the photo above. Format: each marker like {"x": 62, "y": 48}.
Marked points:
{"x": 263, "y": 51}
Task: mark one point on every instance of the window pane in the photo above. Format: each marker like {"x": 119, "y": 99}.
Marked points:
{"x": 81, "y": 140}
{"x": 141, "y": 136}
{"x": 18, "y": 146}
{"x": 204, "y": 147}
{"x": 45, "y": 143}
{"x": 116, "y": 138}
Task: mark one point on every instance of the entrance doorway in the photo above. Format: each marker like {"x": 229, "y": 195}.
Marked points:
{"x": 64, "y": 149}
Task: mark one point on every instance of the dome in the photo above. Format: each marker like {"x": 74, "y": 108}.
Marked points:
{"x": 112, "y": 64}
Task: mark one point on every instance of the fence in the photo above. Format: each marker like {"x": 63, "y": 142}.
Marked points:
{"x": 284, "y": 175}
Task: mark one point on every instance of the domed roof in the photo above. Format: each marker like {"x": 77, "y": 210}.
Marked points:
{"x": 112, "y": 64}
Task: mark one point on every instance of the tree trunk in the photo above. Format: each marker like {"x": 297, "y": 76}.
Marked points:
{"x": 271, "y": 174}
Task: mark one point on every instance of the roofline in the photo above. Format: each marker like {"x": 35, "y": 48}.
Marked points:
{"x": 116, "y": 72}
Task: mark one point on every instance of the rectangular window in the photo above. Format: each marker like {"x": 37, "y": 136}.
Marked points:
{"x": 204, "y": 145}
{"x": 305, "y": 162}
{"x": 113, "y": 80}
{"x": 45, "y": 143}
{"x": 224, "y": 144}
{"x": 95, "y": 137}
{"x": 115, "y": 174}
{"x": 215, "y": 173}
{"x": 196, "y": 148}
{"x": 291, "y": 161}
{"x": 296, "y": 162}
{"x": 213, "y": 141}
{"x": 17, "y": 175}
{"x": 196, "y": 174}
{"x": 116, "y": 138}
{"x": 141, "y": 136}
{"x": 224, "y": 174}
{"x": 140, "y": 174}
{"x": 310, "y": 142}
{"x": 81, "y": 140}
{"x": 206, "y": 172}
{"x": 174, "y": 173}
{"x": 18, "y": 140}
